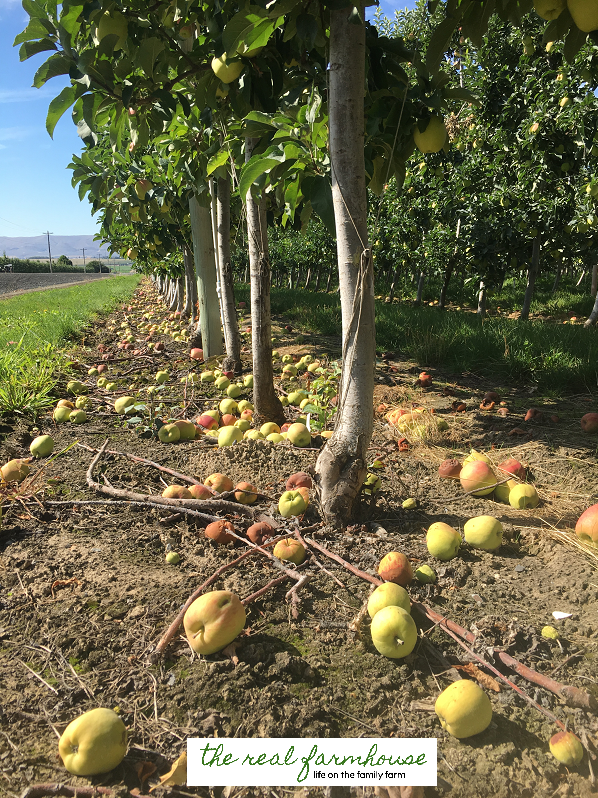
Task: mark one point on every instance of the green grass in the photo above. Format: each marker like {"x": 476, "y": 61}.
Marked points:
{"x": 555, "y": 357}
{"x": 35, "y": 328}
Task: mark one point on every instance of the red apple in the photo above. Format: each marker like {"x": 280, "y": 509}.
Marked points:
{"x": 219, "y": 532}
{"x": 299, "y": 480}
{"x": 477, "y": 477}
{"x": 219, "y": 482}
{"x": 207, "y": 422}
{"x": 586, "y": 528}
{"x": 589, "y": 423}
{"x": 512, "y": 466}
{"x": 200, "y": 492}
{"x": 196, "y": 354}
{"x": 228, "y": 420}
{"x": 395, "y": 567}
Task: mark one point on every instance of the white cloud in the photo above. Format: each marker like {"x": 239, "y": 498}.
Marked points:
{"x": 24, "y": 95}
{"x": 13, "y": 134}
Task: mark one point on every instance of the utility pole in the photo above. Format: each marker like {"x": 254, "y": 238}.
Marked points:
{"x": 83, "y": 251}
{"x": 48, "y": 233}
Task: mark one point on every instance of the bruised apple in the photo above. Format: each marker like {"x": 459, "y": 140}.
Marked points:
{"x": 299, "y": 480}
{"x": 93, "y": 743}
{"x": 213, "y": 621}
{"x": 176, "y": 492}
{"x": 589, "y": 423}
{"x": 219, "y": 532}
{"x": 259, "y": 532}
{"x": 200, "y": 492}
{"x": 566, "y": 747}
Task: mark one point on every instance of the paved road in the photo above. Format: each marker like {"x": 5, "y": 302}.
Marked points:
{"x": 22, "y": 283}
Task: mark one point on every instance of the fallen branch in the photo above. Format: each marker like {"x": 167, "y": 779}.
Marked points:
{"x": 293, "y": 596}
{"x": 45, "y": 790}
{"x": 265, "y": 589}
{"x": 180, "y": 504}
{"x": 143, "y": 461}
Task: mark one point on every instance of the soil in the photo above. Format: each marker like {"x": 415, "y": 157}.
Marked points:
{"x": 86, "y": 592}
{"x": 16, "y": 283}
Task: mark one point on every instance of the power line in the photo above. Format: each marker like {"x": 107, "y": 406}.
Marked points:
{"x": 48, "y": 233}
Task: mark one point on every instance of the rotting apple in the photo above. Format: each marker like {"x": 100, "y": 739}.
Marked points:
{"x": 395, "y": 567}
{"x": 219, "y": 532}
{"x": 443, "y": 541}
{"x": 93, "y": 743}
{"x": 260, "y": 532}
{"x": 464, "y": 709}
{"x": 394, "y": 633}
{"x": 15, "y": 470}
{"x": 299, "y": 480}
{"x": 589, "y": 423}
{"x": 213, "y": 621}
{"x": 449, "y": 469}
{"x": 388, "y": 594}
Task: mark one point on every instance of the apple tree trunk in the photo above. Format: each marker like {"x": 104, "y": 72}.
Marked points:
{"x": 532, "y": 273}
{"x": 341, "y": 466}
{"x": 205, "y": 267}
{"x": 266, "y": 402}
{"x": 189, "y": 282}
{"x": 227, "y": 294}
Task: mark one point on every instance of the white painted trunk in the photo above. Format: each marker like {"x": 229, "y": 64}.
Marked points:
{"x": 189, "y": 282}
{"x": 205, "y": 268}
{"x": 341, "y": 466}
{"x": 230, "y": 323}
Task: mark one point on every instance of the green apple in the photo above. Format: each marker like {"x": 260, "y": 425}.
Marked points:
{"x": 234, "y": 390}
{"x": 187, "y": 429}
{"x": 102, "y": 382}
{"x": 93, "y": 743}
{"x": 550, "y": 633}
{"x": 549, "y": 9}
{"x": 275, "y": 437}
{"x": 42, "y": 446}
{"x": 122, "y": 403}
{"x": 290, "y": 550}
{"x": 78, "y": 417}
{"x": 169, "y": 433}
{"x": 394, "y": 633}
{"x": 243, "y": 424}
{"x": 227, "y": 71}
{"x": 14, "y": 471}
{"x": 289, "y": 370}
{"x": 386, "y": 595}
{"x": 293, "y": 502}
{"x": 502, "y": 491}
{"x": 229, "y": 435}
{"x": 228, "y": 407}
{"x": 287, "y": 359}
{"x": 213, "y": 621}
{"x": 464, "y": 709}
{"x": 111, "y": 386}
{"x": 61, "y": 414}
{"x": 433, "y": 138}
{"x": 443, "y": 541}
{"x": 254, "y": 435}
{"x": 74, "y": 386}
{"x": 83, "y": 403}
{"x": 222, "y": 383}
{"x": 207, "y": 376}
{"x": 425, "y": 575}
{"x": 244, "y": 405}
{"x": 269, "y": 427}
{"x": 524, "y": 497}
{"x": 296, "y": 397}
{"x": 248, "y": 381}
{"x": 299, "y": 435}
{"x": 161, "y": 377}
{"x": 483, "y": 532}
{"x": 584, "y": 13}
{"x": 93, "y": 372}
{"x": 567, "y": 748}
{"x": 172, "y": 558}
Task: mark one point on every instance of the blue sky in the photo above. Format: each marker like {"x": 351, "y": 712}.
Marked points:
{"x": 35, "y": 185}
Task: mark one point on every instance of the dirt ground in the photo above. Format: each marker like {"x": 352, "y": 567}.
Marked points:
{"x": 85, "y": 592}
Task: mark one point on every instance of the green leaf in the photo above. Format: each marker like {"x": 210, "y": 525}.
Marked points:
{"x": 57, "y": 64}
{"x": 148, "y": 54}
{"x": 216, "y": 161}
{"x": 253, "y": 169}
{"x": 318, "y": 191}
{"x": 462, "y": 94}
{"x": 35, "y": 30}
{"x": 60, "y": 104}
{"x": 34, "y": 9}
{"x": 28, "y": 49}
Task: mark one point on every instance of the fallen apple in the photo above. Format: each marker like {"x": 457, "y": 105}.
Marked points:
{"x": 293, "y": 502}
{"x": 290, "y": 550}
{"x": 196, "y": 354}
{"x": 566, "y": 747}
{"x": 228, "y": 436}
{"x": 213, "y": 621}
{"x": 299, "y": 435}
{"x": 219, "y": 532}
{"x": 228, "y": 420}
{"x": 222, "y": 382}
{"x": 169, "y": 433}
{"x": 228, "y": 406}
{"x": 473, "y": 456}
{"x": 503, "y": 490}
{"x": 388, "y": 594}
{"x": 449, "y": 469}
{"x": 443, "y": 541}
{"x": 260, "y": 532}
{"x": 93, "y": 743}
{"x": 589, "y": 423}
{"x": 219, "y": 482}
{"x": 483, "y": 532}
{"x": 200, "y": 492}
{"x": 78, "y": 417}
{"x": 186, "y": 429}
{"x": 394, "y": 633}
{"x": 207, "y": 376}
{"x": 161, "y": 377}
{"x": 477, "y": 478}
{"x": 275, "y": 437}
{"x": 15, "y": 470}
{"x": 268, "y": 428}
{"x": 76, "y": 387}
{"x": 299, "y": 480}
{"x": 464, "y": 709}
{"x": 523, "y": 497}
{"x": 42, "y": 446}
{"x": 246, "y": 493}
{"x": 65, "y": 403}
{"x": 176, "y": 492}
{"x": 425, "y": 575}
{"x": 512, "y": 466}
{"x": 172, "y": 558}
{"x": 61, "y": 414}
{"x": 253, "y": 435}
{"x": 395, "y": 567}
{"x": 208, "y": 422}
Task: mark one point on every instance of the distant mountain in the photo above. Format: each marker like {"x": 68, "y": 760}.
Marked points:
{"x": 37, "y": 247}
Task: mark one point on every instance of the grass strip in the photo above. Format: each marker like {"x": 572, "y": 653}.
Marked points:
{"x": 557, "y": 358}
{"x": 35, "y": 328}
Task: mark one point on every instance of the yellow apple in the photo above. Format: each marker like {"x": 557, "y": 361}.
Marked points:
{"x": 585, "y": 14}
{"x": 433, "y": 137}
{"x": 524, "y": 497}
{"x": 483, "y": 532}
{"x": 227, "y": 71}
{"x": 549, "y": 9}
{"x": 213, "y": 621}
{"x": 93, "y": 743}
{"x": 386, "y": 595}
{"x": 464, "y": 709}
{"x": 443, "y": 541}
{"x": 289, "y": 550}
{"x": 566, "y": 747}
{"x": 394, "y": 633}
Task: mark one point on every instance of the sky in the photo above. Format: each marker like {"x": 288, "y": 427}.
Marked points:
{"x": 35, "y": 186}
